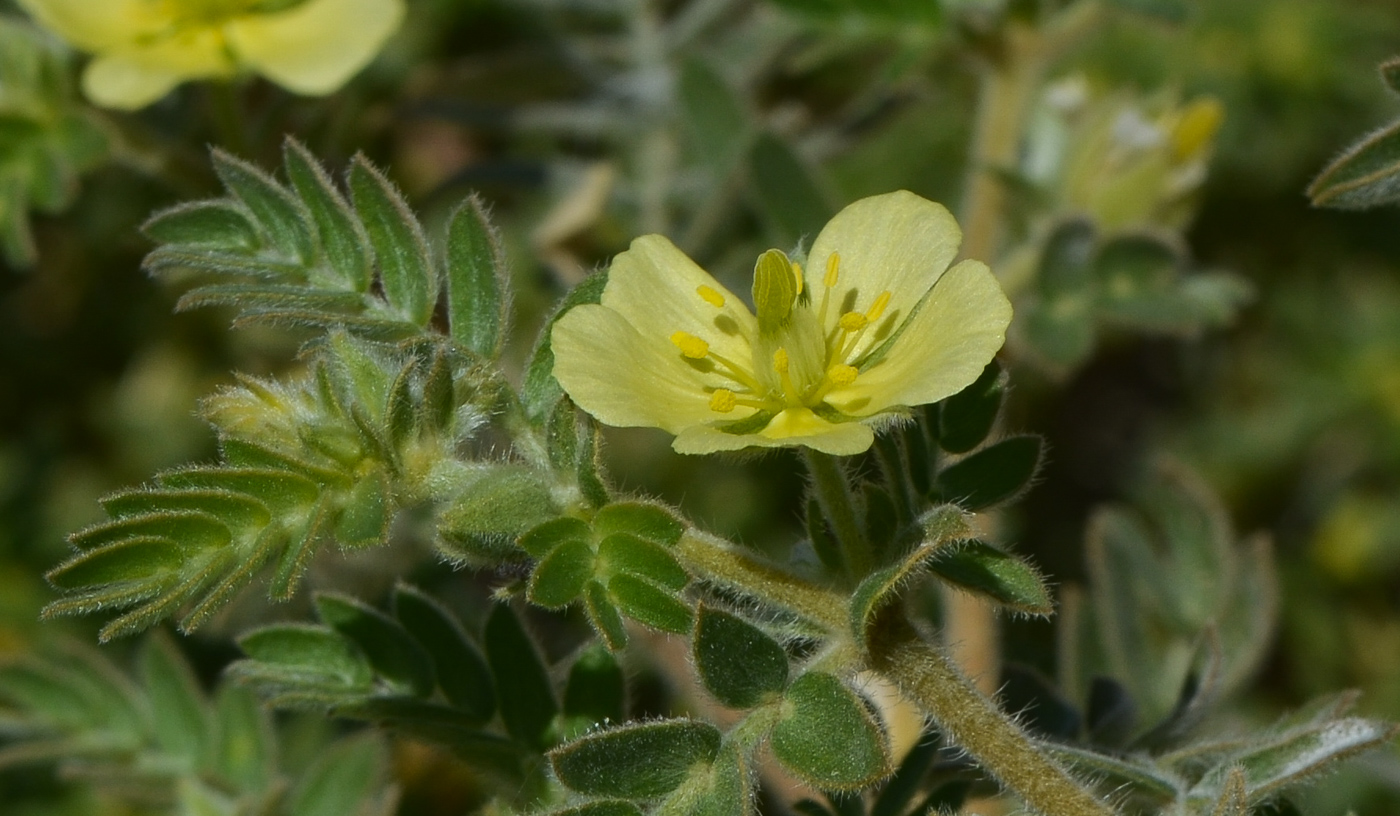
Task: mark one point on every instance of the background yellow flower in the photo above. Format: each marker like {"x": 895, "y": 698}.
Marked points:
{"x": 144, "y": 48}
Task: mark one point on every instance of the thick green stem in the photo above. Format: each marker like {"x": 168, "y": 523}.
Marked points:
{"x": 839, "y": 506}
{"x": 926, "y": 676}
{"x": 716, "y": 560}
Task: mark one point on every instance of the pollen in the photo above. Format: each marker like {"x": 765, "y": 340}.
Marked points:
{"x": 878, "y": 307}
{"x": 853, "y": 321}
{"x": 723, "y": 400}
{"x": 710, "y": 296}
{"x": 833, "y": 270}
{"x": 690, "y": 345}
{"x": 780, "y": 361}
{"x": 843, "y": 374}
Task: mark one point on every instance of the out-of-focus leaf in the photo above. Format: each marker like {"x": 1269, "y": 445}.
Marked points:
{"x": 787, "y": 193}
{"x": 525, "y": 696}
{"x": 1366, "y": 175}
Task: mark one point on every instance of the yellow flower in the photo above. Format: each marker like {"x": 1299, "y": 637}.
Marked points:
{"x": 144, "y": 48}
{"x": 873, "y": 325}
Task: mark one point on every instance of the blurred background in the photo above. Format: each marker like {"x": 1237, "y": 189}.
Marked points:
{"x": 735, "y": 125}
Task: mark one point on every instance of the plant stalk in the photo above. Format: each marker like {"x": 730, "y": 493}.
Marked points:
{"x": 838, "y": 505}
{"x": 721, "y": 562}
{"x": 927, "y": 677}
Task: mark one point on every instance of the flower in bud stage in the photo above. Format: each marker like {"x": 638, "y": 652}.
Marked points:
{"x": 144, "y": 48}
{"x": 875, "y": 323}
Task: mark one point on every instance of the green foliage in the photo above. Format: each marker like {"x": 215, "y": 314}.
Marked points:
{"x": 641, "y": 761}
{"x": 827, "y": 737}
{"x": 1367, "y": 174}
{"x": 47, "y": 139}
{"x": 1087, "y": 284}
{"x": 738, "y": 663}
{"x": 159, "y": 740}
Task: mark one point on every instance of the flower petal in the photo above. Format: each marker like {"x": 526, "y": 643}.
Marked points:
{"x": 136, "y": 76}
{"x": 626, "y": 379}
{"x": 653, "y": 284}
{"x": 942, "y": 350}
{"x": 97, "y": 26}
{"x": 896, "y": 242}
{"x": 317, "y": 46}
{"x": 789, "y": 428}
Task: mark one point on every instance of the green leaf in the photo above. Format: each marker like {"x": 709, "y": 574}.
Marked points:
{"x": 478, "y": 302}
{"x": 244, "y": 750}
{"x": 341, "y": 780}
{"x": 525, "y": 696}
{"x": 283, "y": 493}
{"x": 278, "y": 214}
{"x": 364, "y": 520}
{"x": 603, "y": 614}
{"x": 1059, "y": 323}
{"x": 343, "y": 238}
{"x": 650, "y": 521}
{"x": 180, "y": 714}
{"x": 560, "y": 576}
{"x": 591, "y": 482}
{"x": 314, "y": 653}
{"x": 395, "y": 656}
{"x": 623, "y": 552}
{"x": 827, "y": 737}
{"x": 1297, "y": 756}
{"x": 596, "y": 691}
{"x": 941, "y": 526}
{"x": 789, "y": 196}
{"x": 1366, "y": 175}
{"x": 216, "y": 223}
{"x": 502, "y": 502}
{"x": 605, "y": 807}
{"x": 540, "y": 391}
{"x": 648, "y": 603}
{"x": 899, "y": 790}
{"x": 993, "y": 475}
{"x": 461, "y": 670}
{"x": 899, "y": 14}
{"x": 715, "y": 116}
{"x": 965, "y": 418}
{"x": 1118, "y": 773}
{"x": 981, "y": 568}
{"x": 1390, "y": 74}
{"x": 561, "y": 437}
{"x": 405, "y": 265}
{"x": 543, "y": 538}
{"x": 638, "y": 761}
{"x": 192, "y": 530}
{"x": 729, "y": 789}
{"x": 139, "y": 559}
{"x": 739, "y": 664}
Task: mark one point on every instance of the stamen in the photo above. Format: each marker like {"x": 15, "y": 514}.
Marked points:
{"x": 878, "y": 307}
{"x": 710, "y": 296}
{"x": 843, "y": 374}
{"x": 723, "y": 400}
{"x": 690, "y": 345}
{"x": 797, "y": 273}
{"x": 853, "y": 321}
{"x": 781, "y": 365}
{"x": 780, "y": 361}
{"x": 833, "y": 269}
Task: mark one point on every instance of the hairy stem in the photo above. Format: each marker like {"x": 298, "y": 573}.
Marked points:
{"x": 720, "y": 562}
{"x": 926, "y": 676}
{"x": 839, "y": 507}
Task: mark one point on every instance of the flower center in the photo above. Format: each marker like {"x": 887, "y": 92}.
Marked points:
{"x": 797, "y": 361}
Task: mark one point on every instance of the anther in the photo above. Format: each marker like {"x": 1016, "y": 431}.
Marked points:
{"x": 723, "y": 400}
{"x": 780, "y": 361}
{"x": 833, "y": 268}
{"x": 797, "y": 273}
{"x": 878, "y": 307}
{"x": 710, "y": 296}
{"x": 690, "y": 345}
{"x": 853, "y": 321}
{"x": 843, "y": 374}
